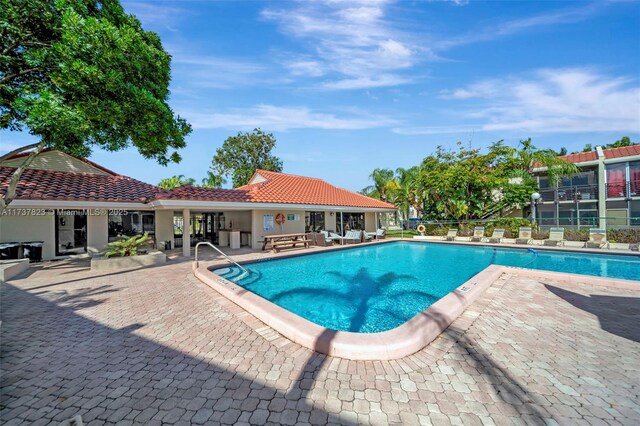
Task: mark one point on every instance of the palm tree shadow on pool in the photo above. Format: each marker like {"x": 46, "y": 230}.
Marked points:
{"x": 361, "y": 291}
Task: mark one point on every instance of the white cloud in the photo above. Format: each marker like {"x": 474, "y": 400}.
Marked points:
{"x": 547, "y": 101}
{"x": 350, "y": 42}
{"x": 366, "y": 82}
{"x": 156, "y": 14}
{"x": 220, "y": 73}
{"x": 509, "y": 27}
{"x": 281, "y": 118}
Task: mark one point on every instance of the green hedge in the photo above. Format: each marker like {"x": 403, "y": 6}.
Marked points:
{"x": 511, "y": 225}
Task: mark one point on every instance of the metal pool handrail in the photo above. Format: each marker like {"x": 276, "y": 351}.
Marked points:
{"x": 224, "y": 255}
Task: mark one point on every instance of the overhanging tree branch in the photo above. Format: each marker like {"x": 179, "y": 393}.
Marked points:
{"x": 10, "y": 195}
{"x": 18, "y": 151}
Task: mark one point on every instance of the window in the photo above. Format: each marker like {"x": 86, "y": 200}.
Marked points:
{"x": 588, "y": 217}
{"x": 634, "y": 178}
{"x": 130, "y": 224}
{"x": 634, "y": 207}
{"x": 567, "y": 215}
{"x": 313, "y": 221}
{"x": 544, "y": 182}
{"x": 616, "y": 180}
{"x": 352, "y": 221}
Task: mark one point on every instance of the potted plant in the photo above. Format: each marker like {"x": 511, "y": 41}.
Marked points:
{"x": 127, "y": 253}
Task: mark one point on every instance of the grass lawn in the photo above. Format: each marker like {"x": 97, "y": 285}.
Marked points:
{"x": 406, "y": 234}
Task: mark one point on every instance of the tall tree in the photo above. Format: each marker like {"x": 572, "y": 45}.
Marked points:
{"x": 526, "y": 158}
{"x": 213, "y": 180}
{"x": 383, "y": 183}
{"x": 407, "y": 193}
{"x": 241, "y": 155}
{"x": 175, "y": 182}
{"x": 79, "y": 74}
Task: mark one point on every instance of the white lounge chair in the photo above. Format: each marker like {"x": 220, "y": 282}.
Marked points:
{"x": 478, "y": 234}
{"x": 380, "y": 234}
{"x": 367, "y": 237}
{"x": 524, "y": 235}
{"x": 556, "y": 237}
{"x": 452, "y": 233}
{"x": 497, "y": 236}
{"x": 597, "y": 238}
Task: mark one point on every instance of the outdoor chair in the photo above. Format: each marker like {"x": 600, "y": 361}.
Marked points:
{"x": 524, "y": 236}
{"x": 366, "y": 237}
{"x": 451, "y": 234}
{"x": 323, "y": 239}
{"x": 556, "y": 237}
{"x": 597, "y": 238}
{"x": 478, "y": 234}
{"x": 380, "y": 234}
{"x": 497, "y": 236}
{"x": 353, "y": 237}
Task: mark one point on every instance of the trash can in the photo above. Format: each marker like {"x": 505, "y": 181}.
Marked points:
{"x": 33, "y": 250}
{"x": 9, "y": 250}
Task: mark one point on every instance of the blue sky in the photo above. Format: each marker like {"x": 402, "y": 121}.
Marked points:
{"x": 350, "y": 86}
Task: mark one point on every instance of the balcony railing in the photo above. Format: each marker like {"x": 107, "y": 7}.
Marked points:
{"x": 570, "y": 193}
{"x": 623, "y": 189}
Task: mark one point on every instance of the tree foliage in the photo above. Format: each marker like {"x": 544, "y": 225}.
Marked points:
{"x": 211, "y": 181}
{"x": 623, "y": 141}
{"x": 466, "y": 184}
{"x": 83, "y": 73}
{"x": 241, "y": 155}
{"x": 175, "y": 182}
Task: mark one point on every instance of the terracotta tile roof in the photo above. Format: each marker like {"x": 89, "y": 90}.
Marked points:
{"x": 63, "y": 186}
{"x": 580, "y": 157}
{"x": 625, "y": 151}
{"x": 280, "y": 188}
{"x": 196, "y": 193}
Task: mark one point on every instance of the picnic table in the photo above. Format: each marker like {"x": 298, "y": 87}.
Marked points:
{"x": 280, "y": 241}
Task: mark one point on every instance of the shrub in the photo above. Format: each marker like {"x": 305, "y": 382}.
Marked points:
{"x": 630, "y": 236}
{"x": 126, "y": 246}
{"x": 576, "y": 234}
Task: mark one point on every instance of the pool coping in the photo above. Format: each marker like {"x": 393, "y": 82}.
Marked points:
{"x": 399, "y": 342}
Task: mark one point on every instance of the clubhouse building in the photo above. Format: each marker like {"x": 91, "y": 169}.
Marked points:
{"x": 75, "y": 206}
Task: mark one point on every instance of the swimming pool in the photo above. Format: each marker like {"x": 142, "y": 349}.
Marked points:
{"x": 374, "y": 288}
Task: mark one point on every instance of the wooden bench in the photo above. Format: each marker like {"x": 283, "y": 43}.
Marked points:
{"x": 276, "y": 246}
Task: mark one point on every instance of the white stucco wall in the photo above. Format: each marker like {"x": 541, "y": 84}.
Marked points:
{"x": 97, "y": 233}
{"x": 370, "y": 222}
{"x": 237, "y": 220}
{"x": 164, "y": 227}
{"x": 289, "y": 226}
{"x": 30, "y": 228}
{"x": 330, "y": 221}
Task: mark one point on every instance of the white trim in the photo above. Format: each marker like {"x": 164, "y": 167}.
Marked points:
{"x": 78, "y": 204}
{"x": 219, "y": 205}
{"x": 580, "y": 164}
{"x": 621, "y": 159}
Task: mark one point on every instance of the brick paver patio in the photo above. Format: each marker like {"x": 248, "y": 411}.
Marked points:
{"x": 156, "y": 346}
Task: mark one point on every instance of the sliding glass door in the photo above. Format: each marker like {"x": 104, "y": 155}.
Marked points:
{"x": 71, "y": 232}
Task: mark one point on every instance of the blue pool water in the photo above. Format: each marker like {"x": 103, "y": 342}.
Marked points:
{"x": 375, "y": 288}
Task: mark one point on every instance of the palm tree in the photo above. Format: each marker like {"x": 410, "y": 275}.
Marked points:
{"x": 383, "y": 184}
{"x": 407, "y": 192}
{"x": 525, "y": 159}
{"x": 213, "y": 180}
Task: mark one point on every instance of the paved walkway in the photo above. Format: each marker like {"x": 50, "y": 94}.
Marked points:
{"x": 156, "y": 346}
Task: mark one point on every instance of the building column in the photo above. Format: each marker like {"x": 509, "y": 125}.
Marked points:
{"x": 186, "y": 232}
{"x": 602, "y": 190}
